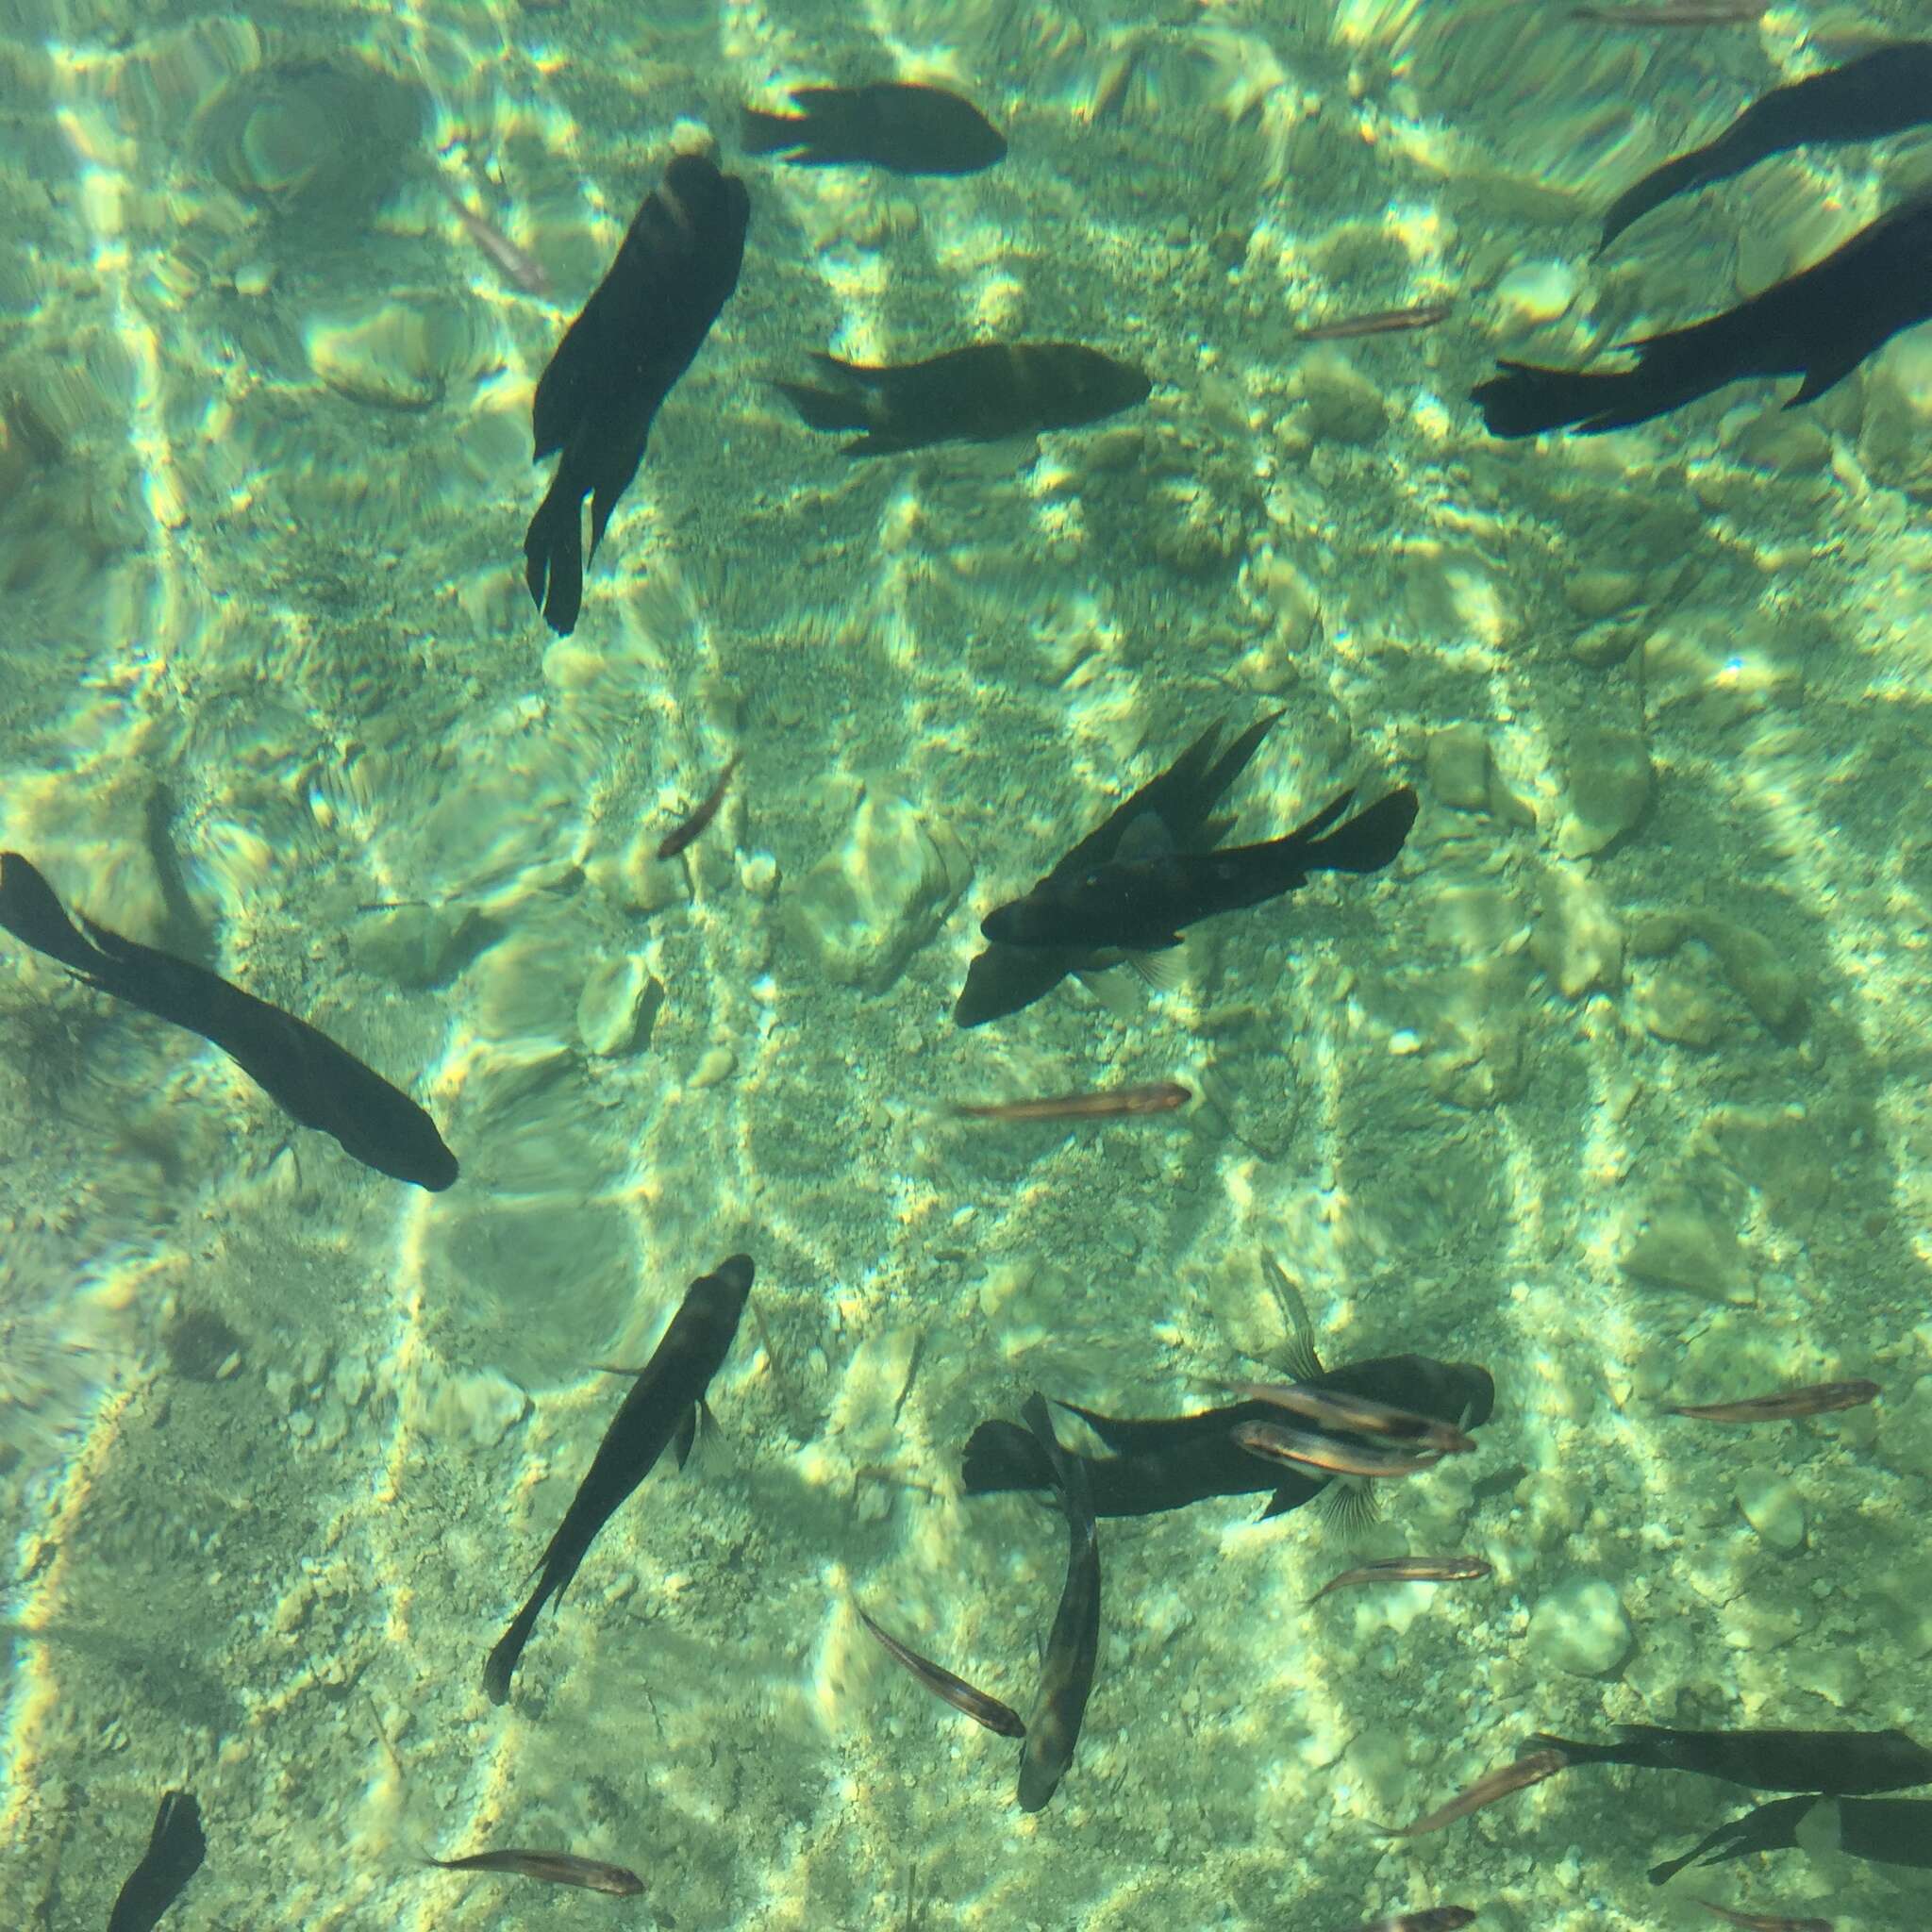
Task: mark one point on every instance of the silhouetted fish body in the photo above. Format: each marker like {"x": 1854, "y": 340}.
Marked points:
{"x": 1141, "y": 904}
{"x": 1889, "y": 1831}
{"x": 1820, "y": 324}
{"x": 175, "y": 1851}
{"x": 320, "y": 1084}
{"x": 1840, "y": 1763}
{"x": 1178, "y": 806}
{"x": 1167, "y": 1463}
{"x": 1882, "y": 93}
{"x": 980, "y": 394}
{"x": 638, "y": 333}
{"x": 661, "y": 1411}
{"x": 899, "y": 125}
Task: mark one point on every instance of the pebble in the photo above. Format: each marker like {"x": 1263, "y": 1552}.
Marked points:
{"x": 1580, "y": 1627}
{"x": 1773, "y": 1509}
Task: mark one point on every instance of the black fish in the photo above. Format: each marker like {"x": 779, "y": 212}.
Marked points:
{"x": 1882, "y": 93}
{"x": 660, "y": 1412}
{"x": 1820, "y": 324}
{"x": 1837, "y": 1762}
{"x": 1889, "y": 1831}
{"x": 1174, "y": 810}
{"x": 633, "y": 339}
{"x": 1167, "y": 1463}
{"x": 1066, "y": 1675}
{"x": 898, "y": 126}
{"x": 981, "y": 395}
{"x": 322, "y": 1084}
{"x": 175, "y": 1851}
{"x": 1140, "y": 904}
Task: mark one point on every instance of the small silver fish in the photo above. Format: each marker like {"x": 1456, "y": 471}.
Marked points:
{"x": 518, "y": 264}
{"x": 553, "y": 1868}
{"x": 1515, "y": 1777}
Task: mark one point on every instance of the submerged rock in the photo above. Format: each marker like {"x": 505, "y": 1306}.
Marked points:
{"x": 1610, "y": 790}
{"x": 1580, "y": 1627}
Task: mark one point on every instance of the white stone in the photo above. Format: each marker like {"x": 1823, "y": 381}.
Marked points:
{"x": 1580, "y": 1627}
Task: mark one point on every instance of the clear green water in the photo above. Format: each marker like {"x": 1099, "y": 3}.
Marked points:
{"x": 1616, "y": 1084}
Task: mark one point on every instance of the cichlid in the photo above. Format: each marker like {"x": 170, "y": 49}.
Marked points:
{"x": 1839, "y": 1763}
{"x": 901, "y": 126}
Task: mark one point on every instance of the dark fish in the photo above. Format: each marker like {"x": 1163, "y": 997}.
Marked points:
{"x": 175, "y": 1851}
{"x": 1107, "y": 1103}
{"x": 633, "y": 339}
{"x": 1381, "y": 321}
{"x": 1881, "y": 93}
{"x": 674, "y": 842}
{"x": 1355, "y": 1416}
{"x": 660, "y": 1412}
{"x": 1067, "y": 1675}
{"x": 303, "y": 1069}
{"x": 1174, "y": 810}
{"x": 1335, "y": 1454}
{"x": 1170, "y": 1463}
{"x": 1889, "y": 1831}
{"x": 981, "y": 395}
{"x": 1140, "y": 904}
{"x": 957, "y": 1692}
{"x": 1407, "y": 1570}
{"x": 1436, "y": 1919}
{"x": 1763, "y": 1921}
{"x": 553, "y": 1867}
{"x": 1518, "y": 1776}
{"x": 1784, "y": 1405}
{"x": 1839, "y": 1763}
{"x": 1820, "y": 324}
{"x": 899, "y": 125}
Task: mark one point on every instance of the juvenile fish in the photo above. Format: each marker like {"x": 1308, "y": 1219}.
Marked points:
{"x": 660, "y": 1412}
{"x": 1839, "y": 1763}
{"x": 638, "y": 332}
{"x": 175, "y": 1851}
{"x": 1820, "y": 324}
{"x": 1436, "y": 1919}
{"x": 1518, "y": 1776}
{"x": 1786, "y": 1404}
{"x": 1408, "y": 1570}
{"x": 296, "y": 1065}
{"x": 957, "y": 1692}
{"x": 1763, "y": 1921}
{"x": 1142, "y": 905}
{"x": 518, "y": 264}
{"x": 1108, "y": 1103}
{"x": 979, "y": 394}
{"x": 553, "y": 1867}
{"x": 677, "y": 839}
{"x": 1066, "y": 1677}
{"x": 1380, "y": 321}
{"x": 1332, "y": 1454}
{"x": 1356, "y": 1415}
{"x": 902, "y": 126}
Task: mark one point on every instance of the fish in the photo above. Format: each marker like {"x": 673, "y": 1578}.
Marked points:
{"x": 1820, "y": 324}
{"x": 1763, "y": 1921}
{"x": 1680, "y": 13}
{"x": 902, "y": 126}
{"x": 1106, "y": 1103}
{"x": 553, "y": 1867}
{"x": 957, "y": 1692}
{"x": 1887, "y": 1831}
{"x": 1174, "y": 809}
{"x": 1167, "y": 1463}
{"x": 1408, "y": 1570}
{"x": 984, "y": 394}
{"x": 1835, "y": 1763}
{"x": 1066, "y": 1675}
{"x": 1786, "y": 1404}
{"x": 640, "y": 331}
{"x": 1356, "y": 1416}
{"x": 1516, "y": 1776}
{"x": 175, "y": 1848}
{"x": 1336, "y": 1454}
{"x": 1434, "y": 1919}
{"x": 518, "y": 265}
{"x": 1883, "y": 92}
{"x": 660, "y": 1411}
{"x": 680, "y": 837}
{"x": 1142, "y": 905}
{"x": 320, "y": 1084}
{"x": 1380, "y": 321}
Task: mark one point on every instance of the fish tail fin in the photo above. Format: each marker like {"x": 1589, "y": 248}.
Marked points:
{"x": 554, "y": 557}
{"x": 31, "y": 911}
{"x": 502, "y": 1662}
{"x": 761, "y": 133}
{"x": 824, "y": 408}
{"x": 1526, "y": 399}
{"x": 1369, "y": 840}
